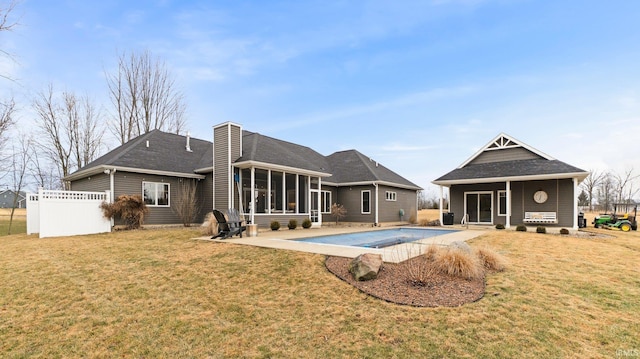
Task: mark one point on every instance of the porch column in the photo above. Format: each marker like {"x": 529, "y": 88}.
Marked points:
{"x": 575, "y": 203}
{"x": 252, "y": 202}
{"x": 508, "y": 199}
{"x": 441, "y": 203}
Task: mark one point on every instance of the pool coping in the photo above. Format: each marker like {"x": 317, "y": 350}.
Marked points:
{"x": 391, "y": 254}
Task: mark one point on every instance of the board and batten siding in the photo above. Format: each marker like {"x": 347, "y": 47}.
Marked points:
{"x": 227, "y": 147}
{"x": 510, "y": 154}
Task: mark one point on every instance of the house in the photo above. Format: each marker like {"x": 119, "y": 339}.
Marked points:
{"x": 509, "y": 182}
{"x": 7, "y": 197}
{"x": 265, "y": 178}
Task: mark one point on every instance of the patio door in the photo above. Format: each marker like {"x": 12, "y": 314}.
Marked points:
{"x": 316, "y": 218}
{"x": 479, "y": 207}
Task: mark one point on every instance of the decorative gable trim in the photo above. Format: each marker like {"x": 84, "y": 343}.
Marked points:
{"x": 502, "y": 142}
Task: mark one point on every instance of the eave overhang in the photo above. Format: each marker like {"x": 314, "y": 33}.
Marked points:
{"x": 288, "y": 169}
{"x": 103, "y": 168}
{"x": 370, "y": 183}
{"x": 579, "y": 175}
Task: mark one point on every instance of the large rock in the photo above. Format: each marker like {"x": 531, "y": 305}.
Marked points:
{"x": 461, "y": 246}
{"x": 365, "y": 266}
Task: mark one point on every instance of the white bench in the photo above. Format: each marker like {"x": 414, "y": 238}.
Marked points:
{"x": 540, "y": 217}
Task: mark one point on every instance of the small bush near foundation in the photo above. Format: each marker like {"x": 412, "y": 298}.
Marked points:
{"x": 541, "y": 229}
{"x": 490, "y": 259}
{"x": 275, "y": 225}
{"x": 306, "y": 223}
{"x": 458, "y": 263}
{"x": 429, "y": 223}
{"x": 564, "y": 231}
{"x": 499, "y": 226}
{"x": 292, "y": 224}
{"x": 521, "y": 228}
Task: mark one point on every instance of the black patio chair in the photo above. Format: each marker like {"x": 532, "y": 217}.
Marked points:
{"x": 235, "y": 220}
{"x": 227, "y": 228}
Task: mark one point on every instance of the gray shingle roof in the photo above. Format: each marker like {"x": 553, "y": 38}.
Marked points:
{"x": 166, "y": 152}
{"x": 520, "y": 168}
{"x": 260, "y": 148}
{"x": 352, "y": 166}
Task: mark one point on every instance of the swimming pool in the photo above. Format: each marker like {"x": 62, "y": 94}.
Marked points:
{"x": 379, "y": 239}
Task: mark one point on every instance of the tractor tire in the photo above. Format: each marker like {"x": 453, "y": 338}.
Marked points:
{"x": 595, "y": 224}
{"x": 625, "y": 227}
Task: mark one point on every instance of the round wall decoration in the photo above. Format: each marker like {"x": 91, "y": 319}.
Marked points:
{"x": 540, "y": 196}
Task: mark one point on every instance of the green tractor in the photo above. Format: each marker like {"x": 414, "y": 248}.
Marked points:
{"x": 623, "y": 218}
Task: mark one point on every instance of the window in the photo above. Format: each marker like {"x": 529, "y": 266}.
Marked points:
{"x": 325, "y": 201}
{"x": 155, "y": 194}
{"x": 502, "y": 203}
{"x": 366, "y": 202}
{"x": 390, "y": 196}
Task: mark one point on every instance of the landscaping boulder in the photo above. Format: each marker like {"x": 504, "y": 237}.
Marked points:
{"x": 461, "y": 246}
{"x": 365, "y": 266}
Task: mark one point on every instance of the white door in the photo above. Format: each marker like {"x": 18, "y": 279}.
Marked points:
{"x": 316, "y": 217}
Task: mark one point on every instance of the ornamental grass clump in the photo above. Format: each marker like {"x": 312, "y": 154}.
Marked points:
{"x": 458, "y": 262}
{"x": 490, "y": 259}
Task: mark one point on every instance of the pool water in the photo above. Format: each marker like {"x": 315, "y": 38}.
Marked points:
{"x": 379, "y": 239}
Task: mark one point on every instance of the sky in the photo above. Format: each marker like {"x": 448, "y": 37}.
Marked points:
{"x": 418, "y": 86}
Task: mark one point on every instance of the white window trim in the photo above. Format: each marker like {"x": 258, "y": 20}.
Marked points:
{"x": 156, "y": 185}
{"x": 499, "y": 207}
{"x": 391, "y": 196}
{"x": 362, "y": 202}
{"x": 327, "y": 203}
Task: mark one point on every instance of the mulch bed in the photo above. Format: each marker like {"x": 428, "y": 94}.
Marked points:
{"x": 392, "y": 285}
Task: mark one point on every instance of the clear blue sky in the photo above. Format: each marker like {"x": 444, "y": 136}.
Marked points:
{"x": 417, "y": 85}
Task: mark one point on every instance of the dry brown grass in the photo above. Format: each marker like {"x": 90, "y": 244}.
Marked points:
{"x": 158, "y": 293}
{"x": 490, "y": 259}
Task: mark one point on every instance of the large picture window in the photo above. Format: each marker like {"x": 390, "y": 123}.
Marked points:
{"x": 155, "y": 194}
{"x": 366, "y": 202}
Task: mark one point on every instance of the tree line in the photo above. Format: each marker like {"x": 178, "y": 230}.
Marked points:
{"x": 601, "y": 190}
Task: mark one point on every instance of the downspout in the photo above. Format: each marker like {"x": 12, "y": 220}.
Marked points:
{"x": 112, "y": 184}
{"x": 376, "y": 215}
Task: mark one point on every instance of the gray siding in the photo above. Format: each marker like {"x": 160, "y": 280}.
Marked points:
{"x": 97, "y": 183}
{"x": 508, "y": 154}
{"x": 205, "y": 190}
{"x": 560, "y": 200}
{"x": 390, "y": 210}
{"x": 264, "y": 220}
{"x": 227, "y": 147}
{"x": 350, "y": 198}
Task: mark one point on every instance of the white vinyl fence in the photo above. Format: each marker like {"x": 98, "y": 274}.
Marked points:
{"x": 66, "y": 213}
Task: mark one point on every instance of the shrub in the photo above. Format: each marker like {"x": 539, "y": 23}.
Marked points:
{"x": 338, "y": 211}
{"x": 413, "y": 219}
{"x": 490, "y": 259}
{"x": 419, "y": 271}
{"x": 564, "y": 231}
{"x": 275, "y": 225}
{"x": 521, "y": 228}
{"x": 129, "y": 208}
{"x": 306, "y": 223}
{"x": 458, "y": 263}
{"x": 499, "y": 226}
{"x": 429, "y": 223}
{"x": 541, "y": 229}
{"x": 292, "y": 224}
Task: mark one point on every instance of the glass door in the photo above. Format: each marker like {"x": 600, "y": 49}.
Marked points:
{"x": 479, "y": 207}
{"x": 316, "y": 218}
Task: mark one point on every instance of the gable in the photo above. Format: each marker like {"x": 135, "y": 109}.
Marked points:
{"x": 505, "y": 148}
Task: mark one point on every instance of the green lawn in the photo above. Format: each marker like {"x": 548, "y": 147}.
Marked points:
{"x": 18, "y": 226}
{"x": 158, "y": 293}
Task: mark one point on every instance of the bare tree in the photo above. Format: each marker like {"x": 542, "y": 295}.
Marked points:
{"x": 71, "y": 134}
{"x": 624, "y": 186}
{"x": 7, "y": 23}
{"x": 187, "y": 201}
{"x": 591, "y": 183}
{"x": 338, "y": 211}
{"x": 7, "y": 111}
{"x": 20, "y": 161}
{"x": 605, "y": 192}
{"x": 144, "y": 96}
